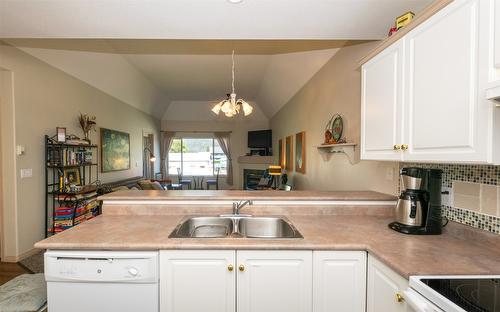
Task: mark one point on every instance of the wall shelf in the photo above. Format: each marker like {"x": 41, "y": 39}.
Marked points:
{"x": 347, "y": 148}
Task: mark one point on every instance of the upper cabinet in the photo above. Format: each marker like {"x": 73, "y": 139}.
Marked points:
{"x": 423, "y": 97}
{"x": 496, "y": 35}
{"x": 381, "y": 111}
{"x": 494, "y": 47}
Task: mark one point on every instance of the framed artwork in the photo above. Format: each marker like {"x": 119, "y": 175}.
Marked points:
{"x": 281, "y": 154}
{"x": 300, "y": 152}
{"x": 72, "y": 176}
{"x": 289, "y": 153}
{"x": 115, "y": 150}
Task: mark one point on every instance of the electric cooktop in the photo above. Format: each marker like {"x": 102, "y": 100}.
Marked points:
{"x": 471, "y": 294}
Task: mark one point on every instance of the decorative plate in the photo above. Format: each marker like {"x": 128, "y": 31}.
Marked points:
{"x": 337, "y": 128}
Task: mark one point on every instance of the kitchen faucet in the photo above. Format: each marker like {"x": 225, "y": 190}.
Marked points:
{"x": 237, "y": 206}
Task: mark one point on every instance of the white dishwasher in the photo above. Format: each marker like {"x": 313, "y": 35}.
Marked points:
{"x": 107, "y": 281}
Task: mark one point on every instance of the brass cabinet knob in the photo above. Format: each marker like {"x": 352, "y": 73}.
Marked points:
{"x": 241, "y": 268}
{"x": 404, "y": 147}
{"x": 397, "y": 147}
{"x": 230, "y": 268}
{"x": 399, "y": 297}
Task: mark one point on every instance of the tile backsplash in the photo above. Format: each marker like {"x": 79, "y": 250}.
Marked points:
{"x": 475, "y": 199}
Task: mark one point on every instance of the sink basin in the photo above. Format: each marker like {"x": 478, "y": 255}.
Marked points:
{"x": 267, "y": 227}
{"x": 235, "y": 226}
{"x": 204, "y": 227}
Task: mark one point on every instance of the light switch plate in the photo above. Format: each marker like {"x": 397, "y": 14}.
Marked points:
{"x": 26, "y": 173}
{"x": 20, "y": 150}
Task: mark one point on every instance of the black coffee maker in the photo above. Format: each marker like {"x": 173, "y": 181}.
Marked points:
{"x": 418, "y": 210}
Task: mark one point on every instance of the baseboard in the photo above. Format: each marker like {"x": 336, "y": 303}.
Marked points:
{"x": 22, "y": 256}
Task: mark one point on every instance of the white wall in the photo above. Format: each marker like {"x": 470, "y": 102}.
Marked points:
{"x": 196, "y": 116}
{"x": 45, "y": 97}
{"x": 336, "y": 88}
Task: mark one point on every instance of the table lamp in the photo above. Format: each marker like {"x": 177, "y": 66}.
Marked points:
{"x": 275, "y": 171}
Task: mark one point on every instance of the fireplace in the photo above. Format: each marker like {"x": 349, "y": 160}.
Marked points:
{"x": 251, "y": 178}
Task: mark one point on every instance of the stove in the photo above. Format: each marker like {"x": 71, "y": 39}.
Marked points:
{"x": 458, "y": 293}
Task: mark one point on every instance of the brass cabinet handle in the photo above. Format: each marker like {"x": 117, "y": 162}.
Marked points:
{"x": 404, "y": 147}
{"x": 230, "y": 268}
{"x": 399, "y": 297}
{"x": 241, "y": 268}
{"x": 397, "y": 147}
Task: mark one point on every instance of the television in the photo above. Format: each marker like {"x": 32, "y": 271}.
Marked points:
{"x": 260, "y": 139}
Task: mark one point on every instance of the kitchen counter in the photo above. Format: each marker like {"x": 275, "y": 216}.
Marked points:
{"x": 460, "y": 250}
{"x": 246, "y": 195}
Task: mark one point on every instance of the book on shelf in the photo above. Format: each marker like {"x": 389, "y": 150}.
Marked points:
{"x": 64, "y": 223}
{"x": 66, "y": 217}
{"x": 68, "y": 157}
{"x": 73, "y": 197}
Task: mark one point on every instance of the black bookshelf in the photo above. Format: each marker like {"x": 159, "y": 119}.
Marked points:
{"x": 60, "y": 158}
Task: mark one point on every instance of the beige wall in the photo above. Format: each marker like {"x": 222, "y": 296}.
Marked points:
{"x": 45, "y": 97}
{"x": 334, "y": 89}
{"x": 238, "y": 140}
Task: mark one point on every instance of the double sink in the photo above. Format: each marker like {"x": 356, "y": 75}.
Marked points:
{"x": 235, "y": 226}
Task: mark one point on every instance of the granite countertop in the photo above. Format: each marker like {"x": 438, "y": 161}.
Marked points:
{"x": 250, "y": 195}
{"x": 460, "y": 250}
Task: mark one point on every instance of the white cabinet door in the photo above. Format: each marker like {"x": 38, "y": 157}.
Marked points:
{"x": 381, "y": 104}
{"x": 383, "y": 288}
{"x": 339, "y": 281}
{"x": 444, "y": 121}
{"x": 496, "y": 33}
{"x": 197, "y": 280}
{"x": 277, "y": 281}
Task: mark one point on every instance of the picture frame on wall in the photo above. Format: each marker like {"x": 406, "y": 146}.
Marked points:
{"x": 300, "y": 152}
{"x": 289, "y": 153}
{"x": 281, "y": 154}
{"x": 115, "y": 150}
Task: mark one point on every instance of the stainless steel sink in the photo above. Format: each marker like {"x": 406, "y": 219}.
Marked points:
{"x": 204, "y": 227}
{"x": 267, "y": 227}
{"x": 235, "y": 226}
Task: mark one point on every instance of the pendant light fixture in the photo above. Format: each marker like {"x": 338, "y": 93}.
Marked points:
{"x": 230, "y": 106}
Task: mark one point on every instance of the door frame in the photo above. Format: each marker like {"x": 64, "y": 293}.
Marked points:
{"x": 8, "y": 178}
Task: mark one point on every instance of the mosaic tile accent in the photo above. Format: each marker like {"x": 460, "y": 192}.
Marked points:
{"x": 484, "y": 174}
{"x": 472, "y": 218}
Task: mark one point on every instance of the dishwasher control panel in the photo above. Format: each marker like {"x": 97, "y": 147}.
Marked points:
{"x": 101, "y": 266}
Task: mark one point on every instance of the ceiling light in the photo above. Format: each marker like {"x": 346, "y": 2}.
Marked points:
{"x": 230, "y": 106}
{"x": 235, "y": 1}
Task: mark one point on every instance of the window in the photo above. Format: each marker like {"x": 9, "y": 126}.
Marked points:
{"x": 196, "y": 157}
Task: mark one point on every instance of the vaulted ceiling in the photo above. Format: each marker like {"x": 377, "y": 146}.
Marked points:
{"x": 268, "y": 73}
{"x": 157, "y": 52}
